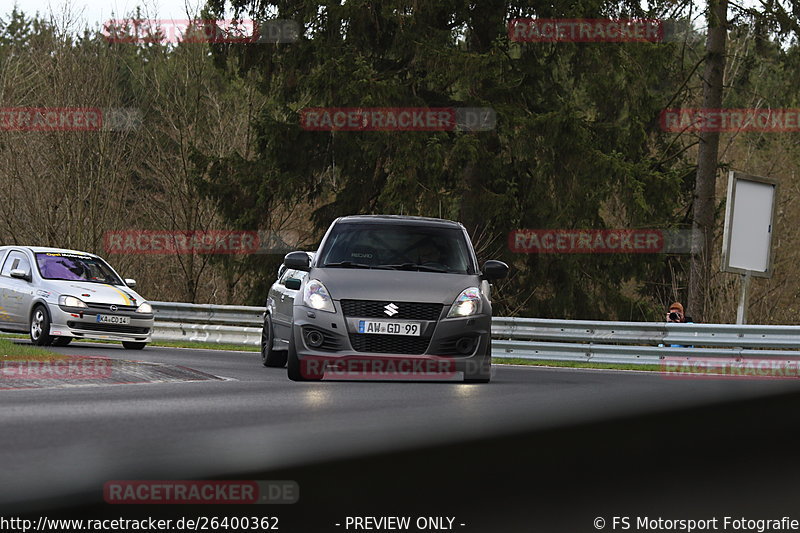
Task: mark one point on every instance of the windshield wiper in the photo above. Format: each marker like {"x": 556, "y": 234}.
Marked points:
{"x": 412, "y": 266}
{"x": 346, "y": 264}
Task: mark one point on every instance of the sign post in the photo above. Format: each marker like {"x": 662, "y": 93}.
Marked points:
{"x": 747, "y": 238}
{"x": 741, "y": 311}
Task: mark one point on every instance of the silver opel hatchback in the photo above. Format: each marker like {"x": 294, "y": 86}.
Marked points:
{"x": 57, "y": 295}
{"x": 388, "y": 290}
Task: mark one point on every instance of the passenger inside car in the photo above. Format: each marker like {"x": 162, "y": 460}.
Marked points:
{"x": 57, "y": 269}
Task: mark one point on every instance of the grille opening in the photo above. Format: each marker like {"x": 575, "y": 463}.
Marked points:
{"x": 393, "y": 344}
{"x": 405, "y": 310}
{"x": 107, "y": 307}
{"x": 110, "y": 328}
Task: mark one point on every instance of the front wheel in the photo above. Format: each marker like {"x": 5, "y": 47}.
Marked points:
{"x": 40, "y": 326}
{"x": 129, "y": 345}
{"x": 270, "y": 357}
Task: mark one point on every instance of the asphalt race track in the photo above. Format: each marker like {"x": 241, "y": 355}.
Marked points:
{"x": 512, "y": 455}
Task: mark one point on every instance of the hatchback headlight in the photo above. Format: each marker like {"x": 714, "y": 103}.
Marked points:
{"x": 316, "y": 296}
{"x": 71, "y": 301}
{"x": 468, "y": 303}
{"x": 145, "y": 308}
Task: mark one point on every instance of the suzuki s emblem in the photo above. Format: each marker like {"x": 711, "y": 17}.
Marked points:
{"x": 390, "y": 309}
{"x": 113, "y": 307}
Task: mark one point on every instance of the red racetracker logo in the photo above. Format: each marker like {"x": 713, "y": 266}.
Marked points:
{"x": 46, "y": 119}
{"x": 75, "y": 367}
{"x": 675, "y": 367}
{"x": 201, "y": 492}
{"x": 730, "y": 120}
{"x": 383, "y": 368}
{"x": 585, "y": 30}
{"x": 201, "y": 242}
{"x": 173, "y": 31}
{"x": 181, "y": 242}
{"x": 569, "y": 241}
{"x": 398, "y": 119}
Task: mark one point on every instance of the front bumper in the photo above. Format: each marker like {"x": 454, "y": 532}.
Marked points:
{"x": 82, "y": 323}
{"x": 459, "y": 344}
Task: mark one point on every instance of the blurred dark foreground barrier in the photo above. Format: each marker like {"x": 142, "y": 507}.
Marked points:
{"x": 733, "y": 458}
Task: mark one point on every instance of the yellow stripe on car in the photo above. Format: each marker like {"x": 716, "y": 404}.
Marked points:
{"x": 125, "y": 296}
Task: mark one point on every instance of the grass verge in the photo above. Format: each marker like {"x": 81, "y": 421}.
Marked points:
{"x": 165, "y": 344}
{"x": 206, "y": 346}
{"x": 574, "y": 364}
{"x": 21, "y": 352}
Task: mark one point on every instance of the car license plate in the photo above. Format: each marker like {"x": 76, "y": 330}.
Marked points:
{"x": 111, "y": 319}
{"x": 388, "y": 327}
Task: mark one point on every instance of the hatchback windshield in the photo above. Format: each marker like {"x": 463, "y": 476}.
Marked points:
{"x": 398, "y": 247}
{"x": 74, "y": 267}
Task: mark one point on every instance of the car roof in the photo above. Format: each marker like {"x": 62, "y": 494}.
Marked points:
{"x": 46, "y": 249}
{"x": 405, "y": 219}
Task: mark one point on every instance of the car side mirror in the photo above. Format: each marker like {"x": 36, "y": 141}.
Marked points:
{"x": 20, "y": 274}
{"x": 130, "y": 282}
{"x": 292, "y": 283}
{"x": 297, "y": 261}
{"x": 494, "y": 270}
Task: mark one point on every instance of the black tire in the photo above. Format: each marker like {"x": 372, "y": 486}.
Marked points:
{"x": 480, "y": 371}
{"x": 62, "y": 341}
{"x": 130, "y": 345}
{"x": 293, "y": 367}
{"x": 39, "y": 326}
{"x": 269, "y": 357}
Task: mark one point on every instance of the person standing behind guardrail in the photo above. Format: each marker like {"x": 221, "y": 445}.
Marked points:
{"x": 676, "y": 314}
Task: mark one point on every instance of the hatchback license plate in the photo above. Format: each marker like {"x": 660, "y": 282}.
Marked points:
{"x": 388, "y": 327}
{"x": 111, "y": 319}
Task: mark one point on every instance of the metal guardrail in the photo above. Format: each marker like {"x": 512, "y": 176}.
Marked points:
{"x": 525, "y": 338}
{"x": 604, "y": 332}
{"x": 218, "y": 324}
{"x": 639, "y": 342}
{"x": 208, "y": 313}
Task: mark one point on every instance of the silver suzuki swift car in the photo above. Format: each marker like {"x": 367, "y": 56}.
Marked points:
{"x": 58, "y": 295}
{"x": 395, "y": 292}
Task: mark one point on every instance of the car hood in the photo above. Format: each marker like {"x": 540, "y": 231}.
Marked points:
{"x": 398, "y": 285}
{"x": 94, "y": 292}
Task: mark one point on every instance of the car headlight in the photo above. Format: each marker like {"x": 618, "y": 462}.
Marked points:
{"x": 316, "y": 296}
{"x": 71, "y": 301}
{"x": 468, "y": 303}
{"x": 144, "y": 308}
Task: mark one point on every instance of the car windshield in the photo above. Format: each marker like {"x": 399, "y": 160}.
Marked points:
{"x": 397, "y": 247}
{"x": 75, "y": 267}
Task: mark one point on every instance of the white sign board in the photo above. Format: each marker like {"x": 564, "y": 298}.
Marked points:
{"x": 749, "y": 220}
